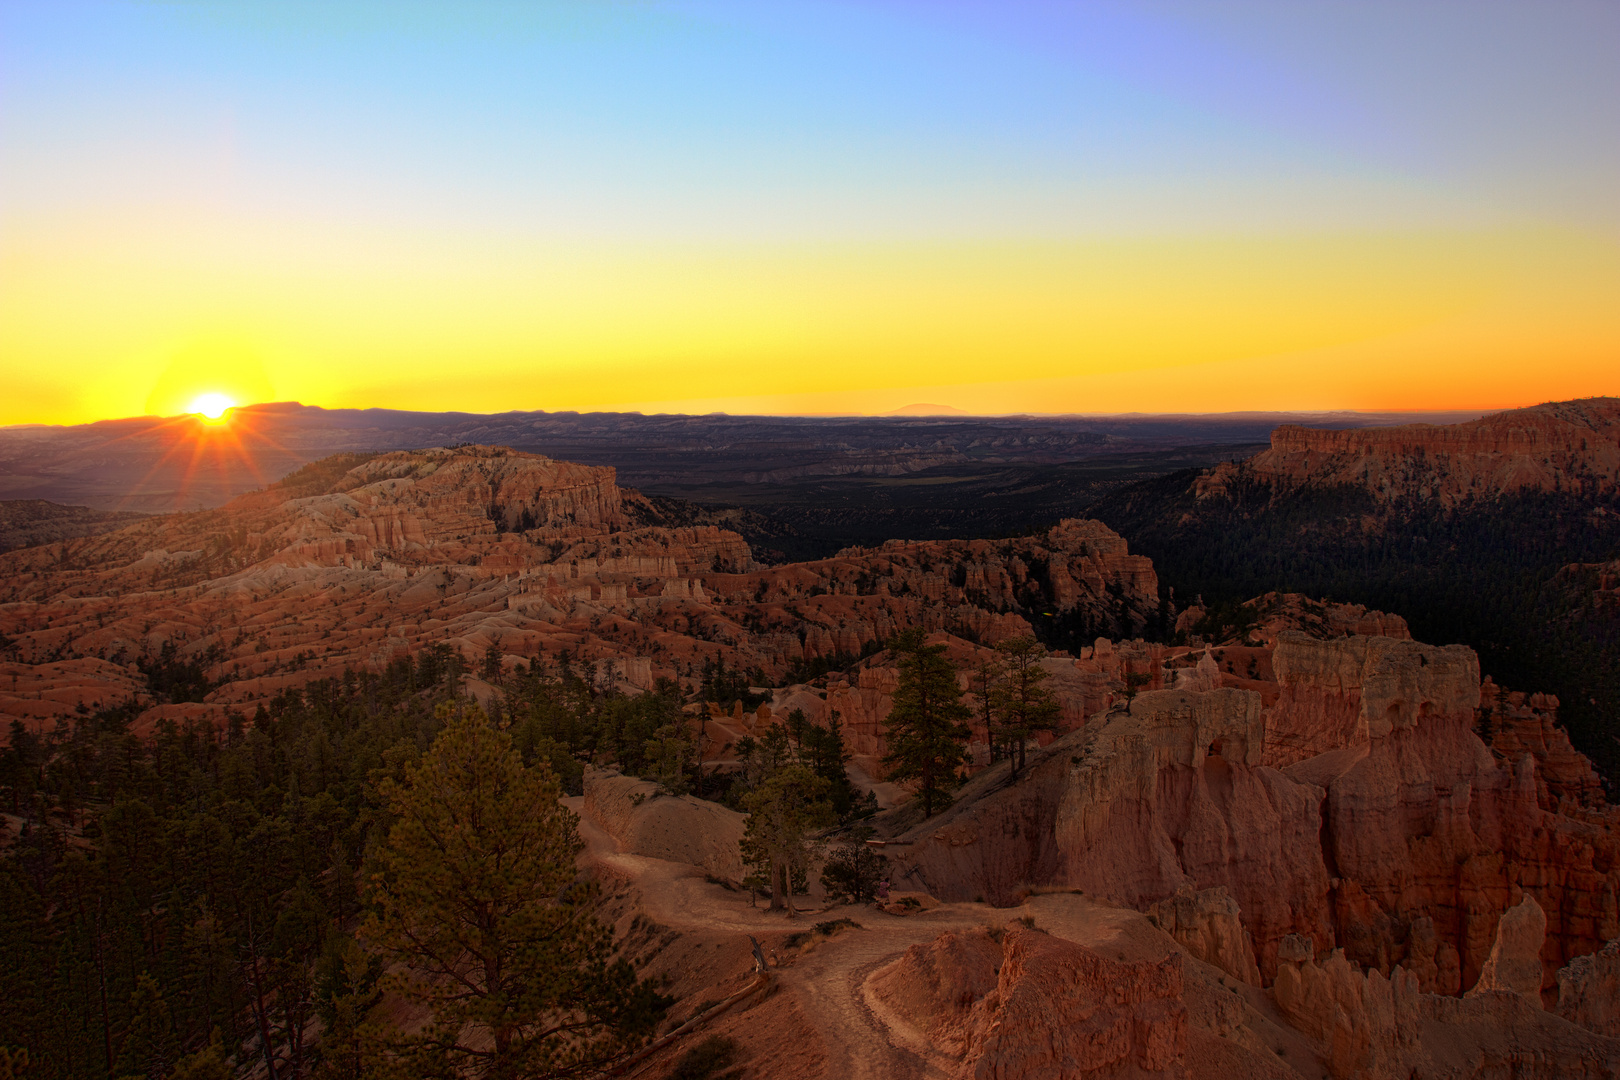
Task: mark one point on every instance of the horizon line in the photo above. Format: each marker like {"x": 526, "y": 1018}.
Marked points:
{"x": 892, "y": 414}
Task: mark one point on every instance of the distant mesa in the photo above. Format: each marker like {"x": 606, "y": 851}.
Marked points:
{"x": 922, "y": 408}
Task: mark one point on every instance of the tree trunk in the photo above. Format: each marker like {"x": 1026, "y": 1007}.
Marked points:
{"x": 101, "y": 982}
{"x": 260, "y": 1016}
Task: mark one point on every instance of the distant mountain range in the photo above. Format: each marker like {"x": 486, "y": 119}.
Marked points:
{"x": 154, "y": 464}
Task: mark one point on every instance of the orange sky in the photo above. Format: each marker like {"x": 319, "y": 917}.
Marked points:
{"x": 282, "y": 211}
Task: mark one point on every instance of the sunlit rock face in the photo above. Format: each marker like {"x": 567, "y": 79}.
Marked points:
{"x": 356, "y": 560}
{"x": 1542, "y": 448}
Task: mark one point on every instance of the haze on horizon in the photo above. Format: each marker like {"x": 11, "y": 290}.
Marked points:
{"x": 1039, "y": 208}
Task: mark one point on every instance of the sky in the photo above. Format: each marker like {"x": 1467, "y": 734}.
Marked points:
{"x": 807, "y": 208}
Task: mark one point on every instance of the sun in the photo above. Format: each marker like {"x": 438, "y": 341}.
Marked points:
{"x": 211, "y": 407}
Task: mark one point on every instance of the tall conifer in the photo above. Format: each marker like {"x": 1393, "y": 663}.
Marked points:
{"x": 927, "y": 724}
{"x": 475, "y": 896}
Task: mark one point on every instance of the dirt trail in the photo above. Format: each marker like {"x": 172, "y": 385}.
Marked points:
{"x": 828, "y": 982}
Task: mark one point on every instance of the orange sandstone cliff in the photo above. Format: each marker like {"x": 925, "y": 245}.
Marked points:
{"x": 1546, "y": 448}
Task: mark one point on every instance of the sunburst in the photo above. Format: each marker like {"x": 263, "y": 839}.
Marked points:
{"x": 212, "y": 408}
{"x": 212, "y": 445}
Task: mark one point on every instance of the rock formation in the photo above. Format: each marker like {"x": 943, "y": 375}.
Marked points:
{"x": 1514, "y": 724}
{"x": 1514, "y": 964}
{"x": 1542, "y": 448}
{"x": 1042, "y": 1006}
{"x": 1034, "y": 1006}
{"x": 1061, "y": 1010}
{"x": 677, "y": 828}
{"x": 1589, "y": 991}
{"x": 352, "y": 562}
{"x": 1359, "y": 810}
{"x": 1209, "y": 925}
{"x": 934, "y": 986}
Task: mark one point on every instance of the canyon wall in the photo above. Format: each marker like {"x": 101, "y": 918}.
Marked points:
{"x": 1557, "y": 446}
{"x": 1357, "y": 809}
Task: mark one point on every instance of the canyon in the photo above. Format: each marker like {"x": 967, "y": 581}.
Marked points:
{"x": 1306, "y": 845}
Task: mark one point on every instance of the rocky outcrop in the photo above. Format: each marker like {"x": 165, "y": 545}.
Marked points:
{"x": 677, "y": 828}
{"x": 1346, "y": 692}
{"x": 1267, "y": 617}
{"x": 1514, "y": 964}
{"x": 1514, "y": 724}
{"x": 1421, "y": 820}
{"x": 1047, "y": 1006}
{"x": 1167, "y": 793}
{"x": 1558, "y": 446}
{"x": 1209, "y": 925}
{"x": 1589, "y": 991}
{"x": 934, "y": 986}
{"x": 1061, "y": 1010}
{"x": 1364, "y": 1023}
{"x": 1359, "y": 809}
{"x": 1368, "y": 1026}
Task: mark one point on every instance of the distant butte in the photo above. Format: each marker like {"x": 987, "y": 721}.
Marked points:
{"x": 925, "y": 409}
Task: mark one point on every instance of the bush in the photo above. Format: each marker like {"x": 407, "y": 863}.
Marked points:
{"x": 853, "y": 870}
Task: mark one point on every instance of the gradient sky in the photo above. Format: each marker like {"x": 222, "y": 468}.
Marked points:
{"x": 763, "y": 207}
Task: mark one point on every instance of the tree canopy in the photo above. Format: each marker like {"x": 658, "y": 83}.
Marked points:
{"x": 475, "y": 894}
{"x": 1020, "y": 702}
{"x": 927, "y": 724}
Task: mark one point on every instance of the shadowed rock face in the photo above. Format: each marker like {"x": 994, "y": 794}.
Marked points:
{"x": 1390, "y": 830}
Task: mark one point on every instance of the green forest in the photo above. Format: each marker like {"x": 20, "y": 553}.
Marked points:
{"x": 178, "y": 903}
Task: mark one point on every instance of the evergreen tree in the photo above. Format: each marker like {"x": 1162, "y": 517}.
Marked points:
{"x": 853, "y": 870}
{"x": 983, "y": 684}
{"x": 1020, "y": 702}
{"x": 783, "y": 811}
{"x": 474, "y": 895}
{"x": 148, "y": 1044}
{"x": 824, "y": 752}
{"x": 926, "y": 725}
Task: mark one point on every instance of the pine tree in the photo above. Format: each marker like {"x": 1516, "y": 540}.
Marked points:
{"x": 926, "y": 726}
{"x": 475, "y": 896}
{"x": 783, "y": 811}
{"x": 853, "y": 870}
{"x": 828, "y": 758}
{"x": 1020, "y": 702}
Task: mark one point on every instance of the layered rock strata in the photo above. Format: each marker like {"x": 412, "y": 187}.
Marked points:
{"x": 485, "y": 549}
{"x": 1359, "y": 810}
{"x": 1543, "y": 448}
